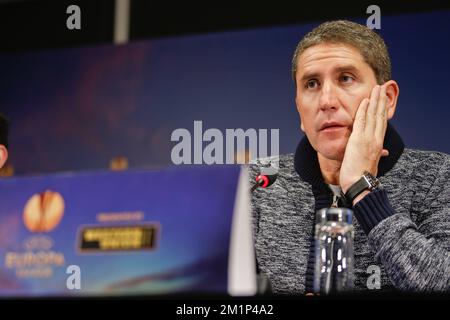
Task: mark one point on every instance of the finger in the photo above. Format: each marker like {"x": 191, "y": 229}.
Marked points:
{"x": 360, "y": 117}
{"x": 384, "y": 153}
{"x": 371, "y": 111}
{"x": 381, "y": 115}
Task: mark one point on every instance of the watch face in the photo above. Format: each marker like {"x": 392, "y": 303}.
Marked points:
{"x": 371, "y": 180}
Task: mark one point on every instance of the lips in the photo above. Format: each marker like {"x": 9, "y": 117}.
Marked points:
{"x": 331, "y": 125}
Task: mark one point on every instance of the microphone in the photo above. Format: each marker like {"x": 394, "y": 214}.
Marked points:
{"x": 267, "y": 176}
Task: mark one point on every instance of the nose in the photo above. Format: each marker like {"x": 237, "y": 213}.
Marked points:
{"x": 328, "y": 99}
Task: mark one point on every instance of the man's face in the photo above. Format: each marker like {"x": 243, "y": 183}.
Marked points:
{"x": 332, "y": 80}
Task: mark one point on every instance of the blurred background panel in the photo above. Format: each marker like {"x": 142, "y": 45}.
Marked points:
{"x": 110, "y": 95}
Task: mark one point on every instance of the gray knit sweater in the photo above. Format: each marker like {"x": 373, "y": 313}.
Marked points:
{"x": 404, "y": 229}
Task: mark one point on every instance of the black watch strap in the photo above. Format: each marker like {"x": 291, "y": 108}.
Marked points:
{"x": 367, "y": 182}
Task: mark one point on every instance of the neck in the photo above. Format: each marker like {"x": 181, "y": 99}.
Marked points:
{"x": 306, "y": 161}
{"x": 330, "y": 169}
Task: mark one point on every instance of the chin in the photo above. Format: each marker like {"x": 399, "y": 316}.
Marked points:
{"x": 333, "y": 150}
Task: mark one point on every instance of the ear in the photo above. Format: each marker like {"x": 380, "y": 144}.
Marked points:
{"x": 392, "y": 92}
{"x": 3, "y": 155}
{"x": 298, "y": 109}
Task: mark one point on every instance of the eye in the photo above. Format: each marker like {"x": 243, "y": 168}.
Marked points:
{"x": 311, "y": 84}
{"x": 346, "y": 78}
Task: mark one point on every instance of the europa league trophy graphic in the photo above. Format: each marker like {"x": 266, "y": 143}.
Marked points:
{"x": 43, "y": 211}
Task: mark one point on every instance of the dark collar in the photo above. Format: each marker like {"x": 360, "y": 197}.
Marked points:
{"x": 307, "y": 165}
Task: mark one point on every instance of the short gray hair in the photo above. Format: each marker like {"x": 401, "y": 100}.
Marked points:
{"x": 370, "y": 45}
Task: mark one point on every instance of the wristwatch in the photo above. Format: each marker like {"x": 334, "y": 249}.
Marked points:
{"x": 367, "y": 182}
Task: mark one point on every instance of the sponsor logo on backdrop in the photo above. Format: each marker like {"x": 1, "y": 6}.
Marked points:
{"x": 42, "y": 213}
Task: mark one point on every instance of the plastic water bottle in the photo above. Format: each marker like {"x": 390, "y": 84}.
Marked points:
{"x": 334, "y": 259}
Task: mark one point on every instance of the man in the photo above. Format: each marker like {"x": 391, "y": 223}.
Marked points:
{"x": 3, "y": 140}
{"x": 345, "y": 95}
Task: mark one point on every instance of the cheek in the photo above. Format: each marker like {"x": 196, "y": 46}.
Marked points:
{"x": 307, "y": 121}
{"x": 306, "y": 115}
{"x": 351, "y": 101}
{"x": 358, "y": 94}
{"x": 354, "y": 107}
{"x": 306, "y": 106}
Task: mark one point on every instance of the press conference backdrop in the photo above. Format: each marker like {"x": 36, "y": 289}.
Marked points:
{"x": 75, "y": 109}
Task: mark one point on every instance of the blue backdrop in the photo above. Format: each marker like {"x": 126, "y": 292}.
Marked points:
{"x": 75, "y": 109}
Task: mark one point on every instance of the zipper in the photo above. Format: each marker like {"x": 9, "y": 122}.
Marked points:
{"x": 335, "y": 201}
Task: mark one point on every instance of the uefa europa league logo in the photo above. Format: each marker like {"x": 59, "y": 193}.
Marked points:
{"x": 43, "y": 211}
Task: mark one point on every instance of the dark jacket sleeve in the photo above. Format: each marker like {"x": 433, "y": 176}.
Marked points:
{"x": 416, "y": 256}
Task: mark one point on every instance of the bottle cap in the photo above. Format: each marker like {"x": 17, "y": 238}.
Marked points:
{"x": 344, "y": 215}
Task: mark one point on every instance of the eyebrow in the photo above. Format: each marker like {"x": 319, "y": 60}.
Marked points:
{"x": 343, "y": 68}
